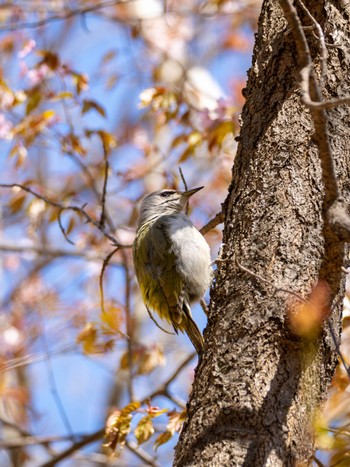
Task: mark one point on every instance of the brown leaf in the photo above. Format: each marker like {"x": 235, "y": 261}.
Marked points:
{"x": 87, "y": 337}
{"x": 118, "y": 426}
{"x": 117, "y": 429}
{"x": 16, "y": 203}
{"x": 49, "y": 58}
{"x": 112, "y": 318}
{"x": 34, "y": 99}
{"x": 93, "y": 105}
{"x": 144, "y": 429}
{"x": 162, "y": 439}
{"x": 149, "y": 359}
{"x": 175, "y": 423}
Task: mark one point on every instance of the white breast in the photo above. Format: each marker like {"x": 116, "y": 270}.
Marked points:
{"x": 192, "y": 253}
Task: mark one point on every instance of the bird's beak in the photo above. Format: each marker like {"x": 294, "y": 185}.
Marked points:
{"x": 185, "y": 195}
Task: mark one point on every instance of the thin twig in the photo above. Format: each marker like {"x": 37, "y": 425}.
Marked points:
{"x": 78, "y": 445}
{"x": 129, "y": 331}
{"x": 334, "y": 338}
{"x": 186, "y": 188}
{"x": 14, "y": 426}
{"x": 177, "y": 400}
{"x": 156, "y": 323}
{"x": 63, "y": 230}
{"x": 18, "y": 286}
{"x": 59, "y": 17}
{"x": 104, "y": 265}
{"x": 204, "y": 306}
{"x": 338, "y": 431}
{"x": 162, "y": 390}
{"x": 53, "y": 252}
{"x": 141, "y": 454}
{"x": 183, "y": 179}
{"x": 315, "y": 102}
{"x": 33, "y": 440}
{"x": 104, "y": 191}
{"x": 218, "y": 219}
{"x": 266, "y": 281}
{"x": 337, "y": 214}
{"x": 86, "y": 171}
{"x": 317, "y": 106}
{"x": 318, "y": 462}
{"x": 100, "y": 433}
{"x": 321, "y": 39}
{"x": 61, "y": 207}
{"x": 324, "y": 105}
{"x": 19, "y": 362}
{"x": 310, "y": 91}
{"x": 53, "y": 386}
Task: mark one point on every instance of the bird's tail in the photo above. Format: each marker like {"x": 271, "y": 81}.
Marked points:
{"x": 191, "y": 329}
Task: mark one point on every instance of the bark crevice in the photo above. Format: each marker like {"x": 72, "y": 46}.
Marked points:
{"x": 258, "y": 386}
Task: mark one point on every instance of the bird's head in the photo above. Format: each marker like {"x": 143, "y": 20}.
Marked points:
{"x": 163, "y": 202}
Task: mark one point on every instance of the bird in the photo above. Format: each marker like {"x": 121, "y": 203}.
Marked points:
{"x": 172, "y": 260}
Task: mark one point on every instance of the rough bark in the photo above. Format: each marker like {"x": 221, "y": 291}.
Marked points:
{"x": 258, "y": 385}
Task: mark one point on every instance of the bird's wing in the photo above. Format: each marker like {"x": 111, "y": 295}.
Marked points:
{"x": 162, "y": 262}
{"x": 171, "y": 291}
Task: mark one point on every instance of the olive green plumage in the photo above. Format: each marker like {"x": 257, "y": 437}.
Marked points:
{"x": 172, "y": 260}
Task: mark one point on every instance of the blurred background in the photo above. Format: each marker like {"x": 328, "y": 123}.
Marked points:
{"x": 101, "y": 103}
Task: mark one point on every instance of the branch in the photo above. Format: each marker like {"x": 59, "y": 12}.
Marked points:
{"x": 98, "y": 459}
{"x": 175, "y": 399}
{"x": 14, "y": 426}
{"x": 267, "y": 281}
{"x": 204, "y": 306}
{"x": 63, "y": 230}
{"x": 183, "y": 178}
{"x": 38, "y": 266}
{"x": 305, "y": 91}
{"x": 317, "y": 461}
{"x": 338, "y": 218}
{"x": 104, "y": 265}
{"x": 48, "y": 250}
{"x": 79, "y": 444}
{"x": 312, "y": 98}
{"x": 78, "y": 209}
{"x": 141, "y": 454}
{"x": 129, "y": 331}
{"x": 321, "y": 39}
{"x": 337, "y": 347}
{"x": 186, "y": 188}
{"x": 184, "y": 12}
{"x": 104, "y": 191}
{"x": 60, "y": 17}
{"x": 100, "y": 433}
{"x": 34, "y": 358}
{"x": 53, "y": 384}
{"x": 309, "y": 82}
{"x": 32, "y": 440}
{"x": 218, "y": 219}
{"x": 162, "y": 390}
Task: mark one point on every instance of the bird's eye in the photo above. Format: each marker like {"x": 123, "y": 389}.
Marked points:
{"x": 165, "y": 194}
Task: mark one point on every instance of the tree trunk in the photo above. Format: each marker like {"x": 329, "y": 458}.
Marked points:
{"x": 259, "y": 385}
